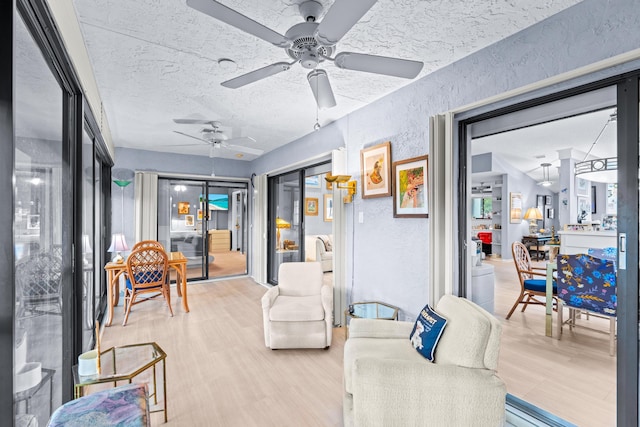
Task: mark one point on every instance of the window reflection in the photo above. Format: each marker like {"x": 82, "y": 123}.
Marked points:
{"x": 37, "y": 233}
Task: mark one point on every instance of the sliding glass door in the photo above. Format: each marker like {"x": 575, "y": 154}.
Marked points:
{"x": 285, "y": 222}
{"x": 300, "y": 219}
{"x": 206, "y": 221}
{"x": 605, "y": 119}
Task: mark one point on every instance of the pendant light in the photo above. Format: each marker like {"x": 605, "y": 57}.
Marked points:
{"x": 546, "y": 181}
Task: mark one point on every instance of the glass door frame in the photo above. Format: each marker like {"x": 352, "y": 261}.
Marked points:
{"x": 206, "y": 183}
{"x": 628, "y": 100}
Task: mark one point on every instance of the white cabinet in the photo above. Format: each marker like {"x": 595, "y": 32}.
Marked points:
{"x": 579, "y": 242}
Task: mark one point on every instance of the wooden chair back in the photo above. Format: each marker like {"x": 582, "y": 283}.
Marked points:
{"x": 147, "y": 244}
{"x": 147, "y": 267}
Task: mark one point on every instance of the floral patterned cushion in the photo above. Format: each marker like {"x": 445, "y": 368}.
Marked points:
{"x": 124, "y": 406}
{"x": 588, "y": 283}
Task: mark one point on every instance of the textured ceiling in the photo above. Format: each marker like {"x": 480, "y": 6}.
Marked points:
{"x": 156, "y": 60}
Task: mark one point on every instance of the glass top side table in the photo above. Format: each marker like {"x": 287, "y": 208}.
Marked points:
{"x": 371, "y": 310}
{"x": 123, "y": 364}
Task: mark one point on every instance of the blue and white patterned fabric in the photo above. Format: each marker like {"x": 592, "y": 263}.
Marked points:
{"x": 588, "y": 283}
{"x": 124, "y": 406}
{"x": 609, "y": 253}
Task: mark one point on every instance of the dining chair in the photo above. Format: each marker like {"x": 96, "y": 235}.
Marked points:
{"x": 146, "y": 273}
{"x": 587, "y": 284}
{"x": 530, "y": 287}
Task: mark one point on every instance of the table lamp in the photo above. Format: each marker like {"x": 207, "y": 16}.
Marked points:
{"x": 118, "y": 244}
{"x": 533, "y": 215}
{"x": 86, "y": 248}
{"x": 280, "y": 223}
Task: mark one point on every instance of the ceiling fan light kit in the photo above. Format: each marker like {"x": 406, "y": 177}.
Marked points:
{"x": 310, "y": 43}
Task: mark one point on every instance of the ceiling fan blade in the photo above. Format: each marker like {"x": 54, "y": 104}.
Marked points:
{"x": 191, "y": 136}
{"x": 321, "y": 88}
{"x": 256, "y": 75}
{"x": 246, "y": 150}
{"x": 339, "y": 19}
{"x": 192, "y": 121}
{"x": 238, "y": 20}
{"x": 378, "y": 64}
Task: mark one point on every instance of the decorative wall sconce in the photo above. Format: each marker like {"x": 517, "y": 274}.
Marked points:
{"x": 342, "y": 182}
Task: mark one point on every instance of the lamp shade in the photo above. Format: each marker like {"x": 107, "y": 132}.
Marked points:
{"x": 118, "y": 243}
{"x": 533, "y": 214}
{"x": 86, "y": 244}
{"x": 281, "y": 223}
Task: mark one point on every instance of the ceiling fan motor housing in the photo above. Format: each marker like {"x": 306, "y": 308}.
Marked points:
{"x": 305, "y": 48}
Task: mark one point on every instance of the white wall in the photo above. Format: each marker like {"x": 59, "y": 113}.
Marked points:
{"x": 388, "y": 257}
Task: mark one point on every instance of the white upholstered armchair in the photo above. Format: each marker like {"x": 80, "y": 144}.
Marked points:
{"x": 387, "y": 382}
{"x": 298, "y": 313}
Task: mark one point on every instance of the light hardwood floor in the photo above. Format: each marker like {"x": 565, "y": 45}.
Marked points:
{"x": 220, "y": 373}
{"x": 573, "y": 378}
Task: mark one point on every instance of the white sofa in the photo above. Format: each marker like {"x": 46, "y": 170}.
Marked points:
{"x": 319, "y": 248}
{"x": 388, "y": 383}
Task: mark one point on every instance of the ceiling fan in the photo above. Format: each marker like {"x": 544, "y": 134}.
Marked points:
{"x": 216, "y": 137}
{"x": 311, "y": 43}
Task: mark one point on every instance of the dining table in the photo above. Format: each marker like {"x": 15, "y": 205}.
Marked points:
{"x": 177, "y": 261}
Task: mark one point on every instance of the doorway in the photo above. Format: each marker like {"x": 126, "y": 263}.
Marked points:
{"x": 206, "y": 220}
{"x": 487, "y": 142}
{"x": 300, "y": 212}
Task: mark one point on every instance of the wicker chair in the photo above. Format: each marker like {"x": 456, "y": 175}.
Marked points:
{"x": 39, "y": 282}
{"x": 147, "y": 244}
{"x": 530, "y": 287}
{"x": 146, "y": 273}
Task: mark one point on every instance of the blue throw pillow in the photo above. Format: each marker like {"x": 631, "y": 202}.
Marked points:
{"x": 427, "y": 332}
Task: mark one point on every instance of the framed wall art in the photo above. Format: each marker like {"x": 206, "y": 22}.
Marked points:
{"x": 312, "y": 181}
{"x": 188, "y": 221}
{"x": 410, "y": 188}
{"x": 582, "y": 187}
{"x": 33, "y": 222}
{"x": 515, "y": 208}
{"x": 375, "y": 170}
{"x": 328, "y": 207}
{"x": 311, "y": 206}
{"x": 183, "y": 208}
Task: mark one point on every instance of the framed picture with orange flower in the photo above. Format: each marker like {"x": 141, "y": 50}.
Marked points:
{"x": 375, "y": 169}
{"x": 183, "y": 208}
{"x": 410, "y": 199}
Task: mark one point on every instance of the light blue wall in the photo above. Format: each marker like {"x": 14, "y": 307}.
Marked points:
{"x": 388, "y": 257}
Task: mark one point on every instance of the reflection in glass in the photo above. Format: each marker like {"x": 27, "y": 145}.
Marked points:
{"x": 37, "y": 232}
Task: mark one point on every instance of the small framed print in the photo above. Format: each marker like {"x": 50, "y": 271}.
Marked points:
{"x": 328, "y": 207}
{"x": 410, "y": 188}
{"x": 188, "y": 221}
{"x": 375, "y": 169}
{"x": 311, "y": 206}
{"x": 33, "y": 222}
{"x": 582, "y": 187}
{"x": 515, "y": 208}
{"x": 183, "y": 208}
{"x": 312, "y": 181}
